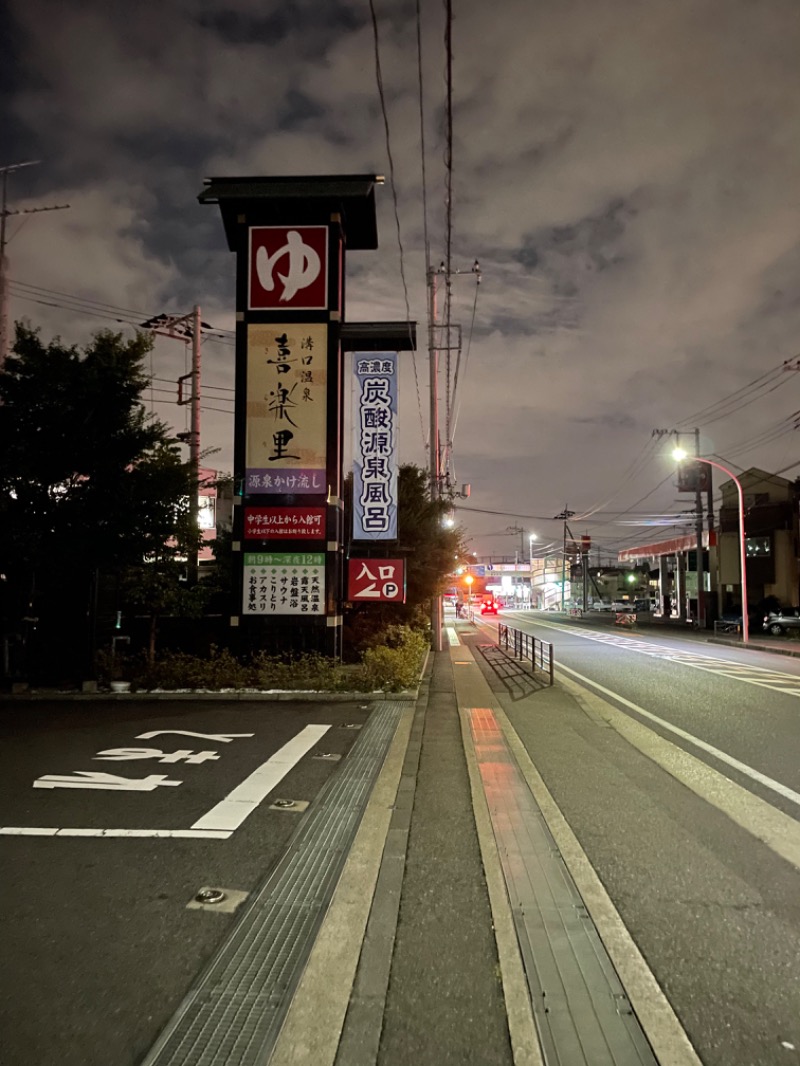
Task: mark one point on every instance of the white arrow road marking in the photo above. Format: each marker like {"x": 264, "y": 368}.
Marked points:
{"x": 96, "y": 779}
{"x": 221, "y": 738}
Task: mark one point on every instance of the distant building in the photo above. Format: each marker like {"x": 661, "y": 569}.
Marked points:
{"x": 771, "y": 543}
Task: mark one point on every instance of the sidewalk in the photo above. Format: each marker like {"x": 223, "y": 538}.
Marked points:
{"x": 456, "y": 934}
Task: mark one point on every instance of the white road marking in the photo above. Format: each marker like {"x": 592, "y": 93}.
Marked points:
{"x": 760, "y": 676}
{"x": 452, "y": 636}
{"x": 187, "y": 755}
{"x": 222, "y": 738}
{"x": 243, "y": 800}
{"x": 95, "y": 779}
{"x": 35, "y": 831}
{"x": 748, "y": 771}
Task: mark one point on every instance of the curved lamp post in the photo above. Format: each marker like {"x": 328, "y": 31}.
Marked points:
{"x": 679, "y": 455}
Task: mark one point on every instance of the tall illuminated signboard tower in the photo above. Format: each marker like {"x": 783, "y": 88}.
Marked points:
{"x": 290, "y": 236}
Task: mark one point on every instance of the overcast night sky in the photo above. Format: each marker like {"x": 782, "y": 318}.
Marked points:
{"x": 627, "y": 173}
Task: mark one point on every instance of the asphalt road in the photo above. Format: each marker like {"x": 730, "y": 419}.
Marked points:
{"x": 705, "y": 874}
{"x": 98, "y": 943}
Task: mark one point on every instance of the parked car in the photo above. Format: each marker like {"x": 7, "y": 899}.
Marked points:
{"x": 622, "y": 605}
{"x": 601, "y": 605}
{"x": 785, "y": 620}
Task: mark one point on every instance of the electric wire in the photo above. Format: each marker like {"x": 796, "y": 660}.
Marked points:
{"x": 425, "y": 235}
{"x": 459, "y": 375}
{"x": 448, "y": 44}
{"x": 631, "y": 471}
{"x": 745, "y": 403}
{"x": 787, "y": 425}
{"x": 706, "y": 414}
{"x": 24, "y": 290}
{"x": 393, "y": 186}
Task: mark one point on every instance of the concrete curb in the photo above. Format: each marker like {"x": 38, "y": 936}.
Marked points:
{"x": 250, "y": 697}
{"x": 791, "y": 652}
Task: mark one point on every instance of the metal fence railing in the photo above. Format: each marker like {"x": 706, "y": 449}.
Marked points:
{"x": 527, "y": 648}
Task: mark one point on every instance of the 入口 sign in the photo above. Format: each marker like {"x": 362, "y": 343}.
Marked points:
{"x": 376, "y": 580}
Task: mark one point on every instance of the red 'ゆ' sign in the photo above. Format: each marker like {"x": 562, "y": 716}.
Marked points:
{"x": 376, "y": 579}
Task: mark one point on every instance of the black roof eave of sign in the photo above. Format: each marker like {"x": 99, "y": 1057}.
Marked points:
{"x": 379, "y": 336}
{"x": 295, "y": 200}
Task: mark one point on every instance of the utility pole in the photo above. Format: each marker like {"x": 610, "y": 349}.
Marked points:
{"x": 183, "y": 327}
{"x": 698, "y": 507}
{"x": 698, "y": 519}
{"x": 4, "y": 213}
{"x": 435, "y": 471}
{"x": 566, "y": 514}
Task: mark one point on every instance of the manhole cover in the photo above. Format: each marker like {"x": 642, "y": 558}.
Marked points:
{"x": 283, "y": 803}
{"x": 210, "y": 895}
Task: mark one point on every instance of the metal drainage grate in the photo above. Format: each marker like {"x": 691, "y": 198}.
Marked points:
{"x": 233, "y": 1014}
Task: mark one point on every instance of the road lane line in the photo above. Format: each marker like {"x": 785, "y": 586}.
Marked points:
{"x": 748, "y": 771}
{"x": 778, "y": 831}
{"x": 42, "y": 831}
{"x": 243, "y": 800}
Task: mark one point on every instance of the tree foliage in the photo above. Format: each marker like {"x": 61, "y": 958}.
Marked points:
{"x": 432, "y": 551}
{"x": 89, "y": 481}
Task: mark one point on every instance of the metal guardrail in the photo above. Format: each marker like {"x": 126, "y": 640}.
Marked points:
{"x": 527, "y": 648}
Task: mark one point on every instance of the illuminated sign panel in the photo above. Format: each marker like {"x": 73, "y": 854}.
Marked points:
{"x": 376, "y": 579}
{"x": 284, "y": 583}
{"x": 287, "y": 523}
{"x": 375, "y": 447}
{"x": 288, "y": 268}
{"x": 287, "y": 384}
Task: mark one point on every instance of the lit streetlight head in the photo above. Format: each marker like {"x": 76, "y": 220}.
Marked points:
{"x": 678, "y": 454}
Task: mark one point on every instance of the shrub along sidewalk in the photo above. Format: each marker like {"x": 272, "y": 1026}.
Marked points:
{"x": 389, "y": 667}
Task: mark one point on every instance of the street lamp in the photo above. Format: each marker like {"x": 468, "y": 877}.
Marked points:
{"x": 679, "y": 455}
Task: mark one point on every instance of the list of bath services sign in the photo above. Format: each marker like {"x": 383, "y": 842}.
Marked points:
{"x": 287, "y": 523}
{"x": 284, "y": 583}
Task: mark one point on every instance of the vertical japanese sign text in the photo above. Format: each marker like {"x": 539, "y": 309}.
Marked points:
{"x": 284, "y": 583}
{"x": 375, "y": 446}
{"x": 286, "y": 408}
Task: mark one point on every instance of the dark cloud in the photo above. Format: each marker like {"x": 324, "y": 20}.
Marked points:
{"x": 627, "y": 174}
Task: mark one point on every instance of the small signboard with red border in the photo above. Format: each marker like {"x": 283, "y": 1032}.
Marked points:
{"x": 376, "y": 580}
{"x": 284, "y": 523}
